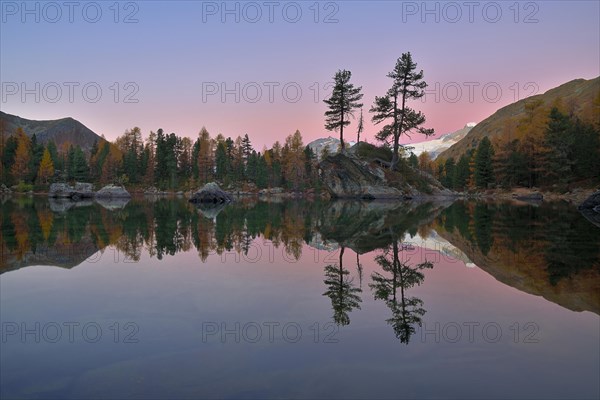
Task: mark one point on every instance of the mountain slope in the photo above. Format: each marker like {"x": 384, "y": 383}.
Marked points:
{"x": 578, "y": 95}
{"x": 60, "y": 130}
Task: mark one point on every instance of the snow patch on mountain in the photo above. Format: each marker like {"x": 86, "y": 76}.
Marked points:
{"x": 332, "y": 144}
{"x": 436, "y": 146}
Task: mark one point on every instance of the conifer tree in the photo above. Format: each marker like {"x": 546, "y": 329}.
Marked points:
{"x": 407, "y": 85}
{"x": 344, "y": 100}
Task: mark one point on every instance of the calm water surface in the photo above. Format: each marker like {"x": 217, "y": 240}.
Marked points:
{"x": 156, "y": 298}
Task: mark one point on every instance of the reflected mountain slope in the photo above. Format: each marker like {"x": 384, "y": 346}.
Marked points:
{"x": 549, "y": 251}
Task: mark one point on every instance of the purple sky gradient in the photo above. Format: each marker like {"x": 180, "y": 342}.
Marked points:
{"x": 177, "y": 50}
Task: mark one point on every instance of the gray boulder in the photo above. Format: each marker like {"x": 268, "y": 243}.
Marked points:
{"x": 591, "y": 202}
{"x": 211, "y": 193}
{"x": 4, "y": 189}
{"x": 590, "y": 208}
{"x": 113, "y": 192}
{"x": 80, "y": 190}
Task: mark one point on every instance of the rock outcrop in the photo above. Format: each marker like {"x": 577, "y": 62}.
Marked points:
{"x": 590, "y": 208}
{"x": 65, "y": 191}
{"x": 113, "y": 192}
{"x": 211, "y": 193}
{"x": 353, "y": 176}
{"x": 346, "y": 176}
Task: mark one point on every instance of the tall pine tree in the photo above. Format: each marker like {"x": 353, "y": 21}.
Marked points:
{"x": 342, "y": 103}
{"x": 407, "y": 84}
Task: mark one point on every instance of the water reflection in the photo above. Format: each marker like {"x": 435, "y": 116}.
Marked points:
{"x": 342, "y": 291}
{"x": 548, "y": 250}
{"x": 407, "y": 311}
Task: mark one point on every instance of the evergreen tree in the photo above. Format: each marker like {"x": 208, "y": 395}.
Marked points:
{"x": 51, "y": 146}
{"x": 173, "y": 152}
{"x": 309, "y": 159}
{"x": 80, "y": 168}
{"x": 251, "y": 165}
{"x": 221, "y": 161}
{"x": 461, "y": 173}
{"x": 413, "y": 161}
{"x": 484, "y": 171}
{"x": 342, "y": 103}
{"x": 360, "y": 127}
{"x": 195, "y": 157}
{"x": 37, "y": 152}
{"x": 160, "y": 172}
{"x": 407, "y": 85}
{"x": 205, "y": 156}
{"x": 510, "y": 166}
{"x": 559, "y": 139}
{"x": 586, "y": 150}
{"x": 449, "y": 167}
{"x": 262, "y": 178}
{"x": 246, "y": 148}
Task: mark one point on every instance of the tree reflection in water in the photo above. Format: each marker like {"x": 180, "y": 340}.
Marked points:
{"x": 391, "y": 287}
{"x": 342, "y": 291}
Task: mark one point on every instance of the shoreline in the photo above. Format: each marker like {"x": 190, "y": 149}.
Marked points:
{"x": 575, "y": 196}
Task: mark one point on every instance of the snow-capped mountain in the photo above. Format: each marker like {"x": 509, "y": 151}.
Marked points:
{"x": 436, "y": 146}
{"x": 332, "y": 144}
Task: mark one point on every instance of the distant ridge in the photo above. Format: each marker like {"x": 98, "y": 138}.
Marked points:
{"x": 60, "y": 130}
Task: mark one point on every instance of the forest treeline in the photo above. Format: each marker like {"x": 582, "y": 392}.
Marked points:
{"x": 166, "y": 161}
{"x": 549, "y": 147}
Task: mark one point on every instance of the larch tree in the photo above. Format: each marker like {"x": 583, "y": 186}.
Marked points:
{"x": 530, "y": 132}
{"x": 425, "y": 162}
{"x": 344, "y": 99}
{"x": 408, "y": 84}
{"x": 294, "y": 160}
{"x": 46, "y": 169}
{"x": 20, "y": 165}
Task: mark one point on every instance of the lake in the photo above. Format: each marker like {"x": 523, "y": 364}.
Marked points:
{"x": 156, "y": 298}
